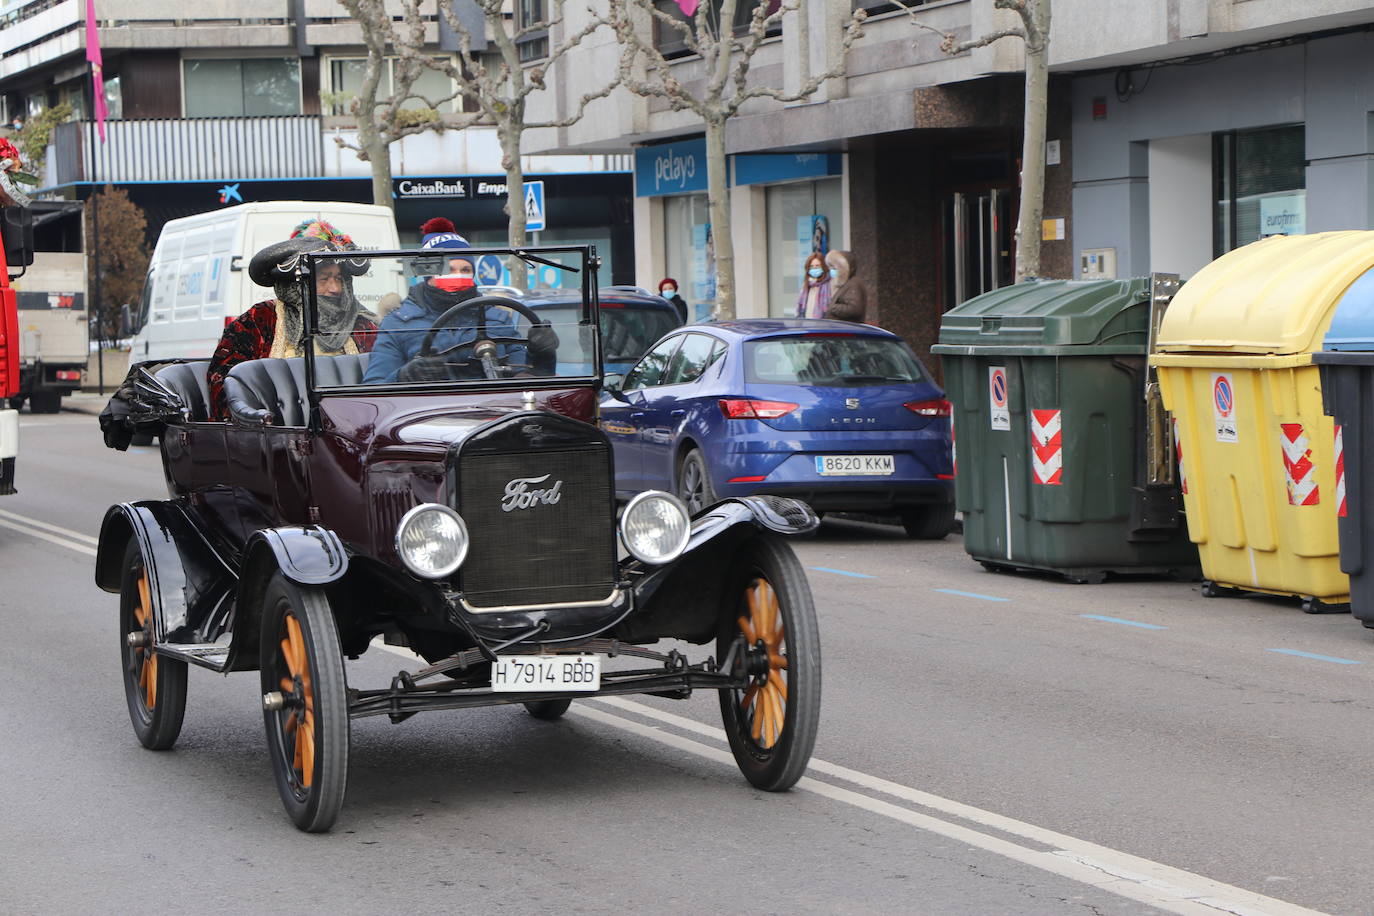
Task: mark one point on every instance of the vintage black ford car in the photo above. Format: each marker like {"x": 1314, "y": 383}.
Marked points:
{"x": 469, "y": 517}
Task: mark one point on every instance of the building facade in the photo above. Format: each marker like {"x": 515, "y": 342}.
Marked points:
{"x": 246, "y": 100}
{"x": 1176, "y": 131}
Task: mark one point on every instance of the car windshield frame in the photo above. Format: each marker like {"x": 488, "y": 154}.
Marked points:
{"x": 585, "y": 267}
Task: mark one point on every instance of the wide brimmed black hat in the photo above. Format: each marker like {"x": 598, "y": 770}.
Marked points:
{"x": 277, "y": 262}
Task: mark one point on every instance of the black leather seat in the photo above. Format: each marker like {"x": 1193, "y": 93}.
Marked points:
{"x": 277, "y": 386}
{"x": 187, "y": 381}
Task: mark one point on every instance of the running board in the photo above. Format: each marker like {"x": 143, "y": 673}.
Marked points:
{"x": 206, "y": 655}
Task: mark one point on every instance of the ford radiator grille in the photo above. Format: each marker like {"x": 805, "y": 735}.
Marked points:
{"x": 541, "y": 522}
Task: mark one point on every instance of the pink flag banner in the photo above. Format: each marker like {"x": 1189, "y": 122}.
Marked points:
{"x": 97, "y": 73}
{"x": 689, "y": 7}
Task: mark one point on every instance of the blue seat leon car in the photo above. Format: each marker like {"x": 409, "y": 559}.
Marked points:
{"x": 841, "y": 415}
{"x": 632, "y": 319}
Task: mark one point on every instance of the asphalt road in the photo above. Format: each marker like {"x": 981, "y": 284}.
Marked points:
{"x": 989, "y": 744}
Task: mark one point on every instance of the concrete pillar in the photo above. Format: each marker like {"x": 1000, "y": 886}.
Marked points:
{"x": 749, "y": 226}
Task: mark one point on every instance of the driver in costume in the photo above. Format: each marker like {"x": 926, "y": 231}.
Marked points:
{"x": 396, "y": 356}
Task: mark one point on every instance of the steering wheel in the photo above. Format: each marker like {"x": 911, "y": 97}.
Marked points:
{"x": 450, "y": 318}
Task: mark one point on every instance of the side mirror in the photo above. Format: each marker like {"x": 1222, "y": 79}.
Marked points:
{"x": 612, "y": 383}
{"x": 16, "y": 225}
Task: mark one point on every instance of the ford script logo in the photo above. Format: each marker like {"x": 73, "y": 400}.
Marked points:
{"x": 522, "y": 494}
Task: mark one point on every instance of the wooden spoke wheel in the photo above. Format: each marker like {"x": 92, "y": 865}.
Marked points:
{"x": 154, "y": 685}
{"x": 305, "y": 703}
{"x": 772, "y": 722}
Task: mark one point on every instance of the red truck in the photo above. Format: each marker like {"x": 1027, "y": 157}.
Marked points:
{"x": 16, "y": 251}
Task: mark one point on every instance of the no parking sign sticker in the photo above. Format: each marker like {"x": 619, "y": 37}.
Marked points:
{"x": 1224, "y": 407}
{"x": 997, "y": 398}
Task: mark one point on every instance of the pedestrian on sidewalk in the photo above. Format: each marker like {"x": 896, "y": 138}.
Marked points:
{"x": 851, "y": 300}
{"x": 814, "y": 301}
{"x": 667, "y": 288}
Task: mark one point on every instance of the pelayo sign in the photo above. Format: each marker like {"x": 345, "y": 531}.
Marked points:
{"x": 670, "y": 168}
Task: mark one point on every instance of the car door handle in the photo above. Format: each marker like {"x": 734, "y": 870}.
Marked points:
{"x": 637, "y": 416}
{"x": 678, "y": 413}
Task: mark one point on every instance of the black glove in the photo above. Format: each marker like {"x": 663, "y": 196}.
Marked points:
{"x": 543, "y": 339}
{"x": 424, "y": 369}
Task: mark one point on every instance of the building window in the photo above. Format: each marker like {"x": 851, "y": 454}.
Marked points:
{"x": 669, "y": 40}
{"x": 1259, "y": 185}
{"x": 532, "y": 23}
{"x": 878, "y": 7}
{"x": 251, "y": 87}
{"x": 803, "y": 216}
{"x": 346, "y": 80}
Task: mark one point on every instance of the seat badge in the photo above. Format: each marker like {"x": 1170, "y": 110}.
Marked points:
{"x": 851, "y": 403}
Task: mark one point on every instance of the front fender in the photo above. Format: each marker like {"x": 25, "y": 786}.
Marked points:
{"x": 682, "y": 599}
{"x": 305, "y": 555}
{"x": 187, "y": 579}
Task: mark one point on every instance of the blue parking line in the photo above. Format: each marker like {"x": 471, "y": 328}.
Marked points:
{"x": 1129, "y": 623}
{"x": 1320, "y": 658}
{"x": 841, "y": 572}
{"x": 955, "y": 591}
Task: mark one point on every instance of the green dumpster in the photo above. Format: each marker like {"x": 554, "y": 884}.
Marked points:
{"x": 1064, "y": 454}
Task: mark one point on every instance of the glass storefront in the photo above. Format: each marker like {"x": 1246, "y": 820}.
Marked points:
{"x": 1259, "y": 182}
{"x": 803, "y": 216}
{"x": 691, "y": 253}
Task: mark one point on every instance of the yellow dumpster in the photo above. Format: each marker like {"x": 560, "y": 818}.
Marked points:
{"x": 1234, "y": 358}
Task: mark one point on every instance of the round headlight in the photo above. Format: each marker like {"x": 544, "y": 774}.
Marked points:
{"x": 432, "y": 540}
{"x": 655, "y": 527}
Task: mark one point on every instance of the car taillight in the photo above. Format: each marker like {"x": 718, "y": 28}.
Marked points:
{"x": 935, "y": 407}
{"x": 750, "y": 409}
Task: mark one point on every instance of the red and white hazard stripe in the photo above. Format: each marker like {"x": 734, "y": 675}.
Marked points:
{"x": 1047, "y": 448}
{"x": 1178, "y": 448}
{"x": 1297, "y": 466}
{"x": 1340, "y": 472}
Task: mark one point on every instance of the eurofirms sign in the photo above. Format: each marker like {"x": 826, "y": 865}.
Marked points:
{"x": 670, "y": 168}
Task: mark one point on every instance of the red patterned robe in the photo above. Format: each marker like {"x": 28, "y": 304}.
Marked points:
{"x": 250, "y": 336}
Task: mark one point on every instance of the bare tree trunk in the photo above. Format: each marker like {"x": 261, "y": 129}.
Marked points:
{"x": 721, "y": 236}
{"x": 379, "y": 158}
{"x": 510, "y": 133}
{"x": 1028, "y": 225}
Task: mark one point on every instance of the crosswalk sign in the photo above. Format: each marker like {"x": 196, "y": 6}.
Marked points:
{"x": 534, "y": 206}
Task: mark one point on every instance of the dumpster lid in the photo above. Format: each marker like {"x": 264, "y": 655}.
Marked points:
{"x": 1274, "y": 296}
{"x": 1053, "y": 313}
{"x": 1352, "y": 326}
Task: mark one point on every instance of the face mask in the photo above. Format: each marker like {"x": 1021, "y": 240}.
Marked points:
{"x": 815, "y": 273}
{"x": 834, "y": 273}
{"x": 670, "y": 291}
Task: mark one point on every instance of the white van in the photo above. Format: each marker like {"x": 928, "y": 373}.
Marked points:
{"x": 198, "y": 277}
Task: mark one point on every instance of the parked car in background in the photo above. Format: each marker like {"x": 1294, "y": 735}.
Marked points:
{"x": 632, "y": 320}
{"x": 841, "y": 415}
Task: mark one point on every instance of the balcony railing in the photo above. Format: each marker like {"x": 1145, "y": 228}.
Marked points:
{"x": 188, "y": 149}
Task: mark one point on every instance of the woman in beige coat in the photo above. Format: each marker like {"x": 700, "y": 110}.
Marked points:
{"x": 850, "y": 300}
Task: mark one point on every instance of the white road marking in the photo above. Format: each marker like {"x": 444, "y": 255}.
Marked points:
{"x": 73, "y": 540}
{"x": 1111, "y": 870}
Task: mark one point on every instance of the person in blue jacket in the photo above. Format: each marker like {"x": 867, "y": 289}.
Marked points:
{"x": 395, "y": 356}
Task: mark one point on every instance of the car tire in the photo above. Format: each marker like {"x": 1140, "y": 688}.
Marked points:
{"x": 548, "y": 710}
{"x": 45, "y": 402}
{"x": 694, "y": 483}
{"x": 301, "y": 662}
{"x": 771, "y": 723}
{"x": 929, "y": 523}
{"x": 154, "y": 685}
{"x": 16, "y": 402}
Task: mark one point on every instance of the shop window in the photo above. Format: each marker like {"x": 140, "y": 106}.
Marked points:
{"x": 251, "y": 87}
{"x": 532, "y": 25}
{"x": 803, "y": 217}
{"x": 669, "y": 41}
{"x": 691, "y": 251}
{"x": 1259, "y": 185}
